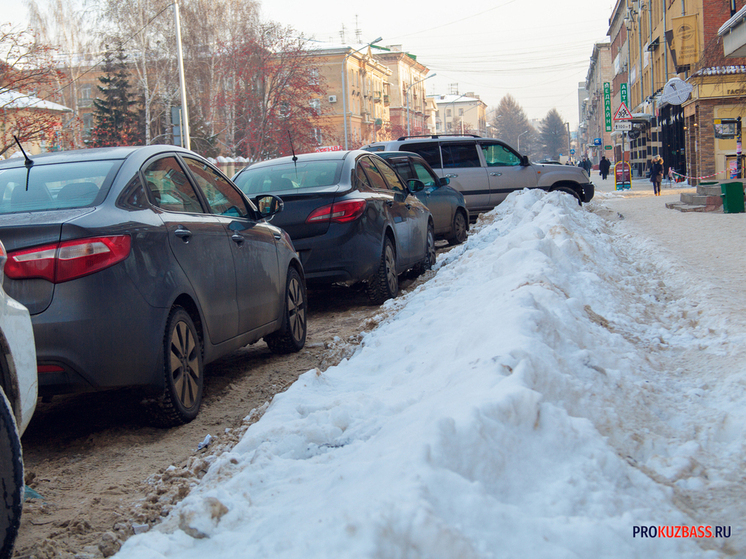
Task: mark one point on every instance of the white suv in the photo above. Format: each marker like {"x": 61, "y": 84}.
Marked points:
{"x": 18, "y": 391}
{"x": 485, "y": 170}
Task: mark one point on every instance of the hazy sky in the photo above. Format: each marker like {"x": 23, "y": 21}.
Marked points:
{"x": 536, "y": 50}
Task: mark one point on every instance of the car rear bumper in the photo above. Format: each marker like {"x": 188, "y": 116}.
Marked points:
{"x": 95, "y": 336}
{"x": 345, "y": 253}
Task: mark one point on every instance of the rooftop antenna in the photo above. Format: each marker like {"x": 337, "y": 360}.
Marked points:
{"x": 342, "y": 34}
{"x": 28, "y": 161}
{"x": 292, "y": 149}
{"x": 358, "y": 31}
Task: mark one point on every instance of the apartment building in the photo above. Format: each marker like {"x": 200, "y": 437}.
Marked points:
{"x": 460, "y": 114}
{"x": 594, "y": 131}
{"x": 408, "y": 103}
{"x": 653, "y": 41}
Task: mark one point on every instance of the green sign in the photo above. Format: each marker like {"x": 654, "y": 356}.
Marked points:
{"x": 623, "y": 94}
{"x": 607, "y": 105}
{"x": 608, "y": 147}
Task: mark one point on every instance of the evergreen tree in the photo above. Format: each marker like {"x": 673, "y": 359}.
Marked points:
{"x": 115, "y": 121}
{"x": 511, "y": 124}
{"x": 553, "y": 134}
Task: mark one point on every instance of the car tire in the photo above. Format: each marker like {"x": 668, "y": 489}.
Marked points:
{"x": 459, "y": 229}
{"x": 291, "y": 337}
{"x": 430, "y": 255}
{"x": 571, "y": 192}
{"x": 183, "y": 371}
{"x": 384, "y": 284}
{"x": 11, "y": 475}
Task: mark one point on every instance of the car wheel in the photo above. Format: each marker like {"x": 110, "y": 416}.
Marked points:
{"x": 182, "y": 366}
{"x": 459, "y": 230}
{"x": 385, "y": 283}
{"x": 11, "y": 475}
{"x": 430, "y": 256}
{"x": 291, "y": 337}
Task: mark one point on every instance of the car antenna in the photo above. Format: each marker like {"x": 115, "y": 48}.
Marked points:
{"x": 292, "y": 149}
{"x": 29, "y": 162}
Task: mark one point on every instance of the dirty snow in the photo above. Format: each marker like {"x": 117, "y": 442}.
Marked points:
{"x": 558, "y": 381}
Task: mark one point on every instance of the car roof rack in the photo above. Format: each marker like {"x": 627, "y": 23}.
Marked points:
{"x": 436, "y": 136}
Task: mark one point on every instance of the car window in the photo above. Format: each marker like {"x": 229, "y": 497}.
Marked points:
{"x": 361, "y": 178}
{"x": 461, "y": 154}
{"x": 429, "y": 151}
{"x": 498, "y": 155}
{"x": 391, "y": 177}
{"x": 170, "y": 188}
{"x": 222, "y": 198}
{"x": 375, "y": 178}
{"x": 424, "y": 174}
{"x": 55, "y": 186}
{"x": 289, "y": 176}
{"x": 402, "y": 167}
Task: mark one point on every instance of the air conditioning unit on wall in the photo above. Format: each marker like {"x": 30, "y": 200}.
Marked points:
{"x": 332, "y": 98}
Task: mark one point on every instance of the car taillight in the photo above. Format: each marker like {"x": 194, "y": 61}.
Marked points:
{"x": 68, "y": 260}
{"x": 341, "y": 212}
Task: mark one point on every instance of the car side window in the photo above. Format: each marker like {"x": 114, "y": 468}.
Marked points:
{"x": 170, "y": 187}
{"x": 392, "y": 179}
{"x": 429, "y": 151}
{"x": 222, "y": 198}
{"x": 361, "y": 179}
{"x": 498, "y": 155}
{"x": 461, "y": 154}
{"x": 402, "y": 167}
{"x": 375, "y": 178}
{"x": 424, "y": 174}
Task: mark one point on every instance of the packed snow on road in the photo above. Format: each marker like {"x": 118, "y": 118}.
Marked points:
{"x": 551, "y": 391}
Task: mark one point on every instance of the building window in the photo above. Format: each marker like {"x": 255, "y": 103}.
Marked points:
{"x": 448, "y": 112}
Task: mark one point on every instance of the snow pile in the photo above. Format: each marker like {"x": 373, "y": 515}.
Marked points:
{"x": 487, "y": 417}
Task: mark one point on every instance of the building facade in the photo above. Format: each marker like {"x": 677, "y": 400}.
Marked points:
{"x": 460, "y": 114}
{"x": 594, "y": 137}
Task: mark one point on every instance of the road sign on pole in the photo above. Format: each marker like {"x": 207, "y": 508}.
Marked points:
{"x": 623, "y": 93}
{"x": 623, "y": 126}
{"x": 607, "y": 105}
{"x": 622, "y": 113}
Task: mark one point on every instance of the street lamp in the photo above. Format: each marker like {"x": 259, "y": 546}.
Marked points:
{"x": 519, "y": 139}
{"x": 344, "y": 84}
{"x": 407, "y": 94}
{"x": 184, "y": 112}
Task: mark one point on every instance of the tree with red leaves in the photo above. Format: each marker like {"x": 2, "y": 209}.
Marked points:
{"x": 274, "y": 95}
{"x": 27, "y": 78}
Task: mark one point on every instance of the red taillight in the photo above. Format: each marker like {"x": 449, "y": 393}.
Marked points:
{"x": 341, "y": 212}
{"x": 67, "y": 260}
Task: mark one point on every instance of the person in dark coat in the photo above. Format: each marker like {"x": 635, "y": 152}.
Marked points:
{"x": 656, "y": 174}
{"x": 603, "y": 167}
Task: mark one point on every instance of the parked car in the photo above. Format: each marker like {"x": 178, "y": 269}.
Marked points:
{"x": 485, "y": 170}
{"x": 350, "y": 216}
{"x": 18, "y": 390}
{"x": 140, "y": 265}
{"x": 446, "y": 204}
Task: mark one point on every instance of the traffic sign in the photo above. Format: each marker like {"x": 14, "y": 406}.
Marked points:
{"x": 623, "y": 125}
{"x": 622, "y": 113}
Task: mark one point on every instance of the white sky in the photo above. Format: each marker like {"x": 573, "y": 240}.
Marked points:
{"x": 536, "y": 50}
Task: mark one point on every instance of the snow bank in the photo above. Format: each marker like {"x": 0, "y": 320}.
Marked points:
{"x": 484, "y": 418}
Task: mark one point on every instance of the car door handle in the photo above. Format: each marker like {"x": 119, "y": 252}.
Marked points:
{"x": 277, "y": 236}
{"x": 451, "y": 176}
{"x": 496, "y": 174}
{"x": 390, "y": 203}
{"x": 236, "y": 238}
{"x": 408, "y": 206}
{"x": 183, "y": 233}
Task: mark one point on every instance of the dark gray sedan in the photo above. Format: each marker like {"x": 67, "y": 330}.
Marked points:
{"x": 450, "y": 216}
{"x": 351, "y": 217}
{"x": 141, "y": 265}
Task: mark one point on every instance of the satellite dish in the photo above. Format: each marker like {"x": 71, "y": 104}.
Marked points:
{"x": 676, "y": 91}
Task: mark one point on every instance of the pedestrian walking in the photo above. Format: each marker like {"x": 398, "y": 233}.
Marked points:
{"x": 603, "y": 167}
{"x": 656, "y": 174}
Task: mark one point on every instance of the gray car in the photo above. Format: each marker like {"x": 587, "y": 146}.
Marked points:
{"x": 450, "y": 216}
{"x": 485, "y": 170}
{"x": 140, "y": 265}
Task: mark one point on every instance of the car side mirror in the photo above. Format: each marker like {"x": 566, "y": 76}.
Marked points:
{"x": 415, "y": 185}
{"x": 524, "y": 161}
{"x": 444, "y": 181}
{"x": 269, "y": 205}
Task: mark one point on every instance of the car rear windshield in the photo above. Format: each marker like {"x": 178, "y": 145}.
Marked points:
{"x": 289, "y": 176}
{"x": 55, "y": 186}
